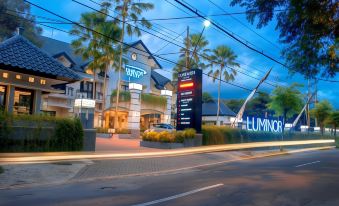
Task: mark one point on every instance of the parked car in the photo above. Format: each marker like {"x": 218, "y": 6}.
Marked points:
{"x": 161, "y": 127}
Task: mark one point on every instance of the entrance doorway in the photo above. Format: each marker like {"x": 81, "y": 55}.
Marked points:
{"x": 23, "y": 101}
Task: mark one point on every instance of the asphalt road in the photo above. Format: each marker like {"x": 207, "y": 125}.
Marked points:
{"x": 310, "y": 178}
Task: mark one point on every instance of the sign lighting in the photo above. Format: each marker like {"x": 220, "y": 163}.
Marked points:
{"x": 135, "y": 86}
{"x": 264, "y": 124}
{"x": 84, "y": 103}
{"x": 189, "y": 100}
{"x": 186, "y": 85}
{"x": 135, "y": 72}
{"x": 166, "y": 93}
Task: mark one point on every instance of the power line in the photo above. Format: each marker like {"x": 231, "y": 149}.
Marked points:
{"x": 114, "y": 40}
{"x": 195, "y": 11}
{"x": 222, "y": 9}
{"x": 229, "y": 34}
{"x": 203, "y": 56}
{"x": 173, "y": 53}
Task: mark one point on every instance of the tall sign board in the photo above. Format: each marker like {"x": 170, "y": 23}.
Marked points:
{"x": 189, "y": 100}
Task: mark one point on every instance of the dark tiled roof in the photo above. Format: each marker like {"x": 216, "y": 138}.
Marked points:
{"x": 211, "y": 108}
{"x": 160, "y": 81}
{"x": 55, "y": 47}
{"x": 20, "y": 53}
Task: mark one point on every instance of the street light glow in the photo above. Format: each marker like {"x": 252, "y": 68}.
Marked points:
{"x": 207, "y": 23}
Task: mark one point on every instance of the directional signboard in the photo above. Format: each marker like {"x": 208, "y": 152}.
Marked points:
{"x": 189, "y": 102}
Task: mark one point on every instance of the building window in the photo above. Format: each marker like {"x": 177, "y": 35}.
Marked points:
{"x": 70, "y": 91}
{"x": 3, "y": 90}
{"x": 31, "y": 79}
{"x": 42, "y": 81}
{"x": 5, "y": 75}
{"x": 87, "y": 87}
{"x": 18, "y": 76}
{"x": 23, "y": 101}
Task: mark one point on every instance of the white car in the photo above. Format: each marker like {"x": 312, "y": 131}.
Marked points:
{"x": 161, "y": 127}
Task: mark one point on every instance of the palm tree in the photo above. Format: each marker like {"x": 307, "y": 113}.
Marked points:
{"x": 194, "y": 41}
{"x": 223, "y": 58}
{"x": 87, "y": 45}
{"x": 109, "y": 53}
{"x": 128, "y": 10}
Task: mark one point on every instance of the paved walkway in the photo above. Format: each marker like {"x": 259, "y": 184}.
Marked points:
{"x": 120, "y": 145}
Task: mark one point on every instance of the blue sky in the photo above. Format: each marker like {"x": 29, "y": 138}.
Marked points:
{"x": 251, "y": 63}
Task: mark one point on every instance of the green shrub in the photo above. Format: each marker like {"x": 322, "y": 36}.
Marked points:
{"x": 189, "y": 133}
{"x": 65, "y": 134}
{"x": 122, "y": 131}
{"x": 214, "y": 135}
{"x": 154, "y": 100}
{"x": 68, "y": 135}
{"x": 1, "y": 170}
{"x": 166, "y": 137}
{"x": 124, "y": 96}
{"x": 169, "y": 137}
{"x": 102, "y": 130}
{"x": 179, "y": 136}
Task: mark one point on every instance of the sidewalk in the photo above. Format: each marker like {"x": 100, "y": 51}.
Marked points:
{"x": 30, "y": 175}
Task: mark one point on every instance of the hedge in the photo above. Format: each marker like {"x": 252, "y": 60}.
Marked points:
{"x": 169, "y": 137}
{"x": 214, "y": 135}
{"x": 41, "y": 133}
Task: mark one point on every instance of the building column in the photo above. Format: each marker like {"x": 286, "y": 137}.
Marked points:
{"x": 10, "y": 98}
{"x": 166, "y": 117}
{"x": 37, "y": 102}
{"x": 134, "y": 110}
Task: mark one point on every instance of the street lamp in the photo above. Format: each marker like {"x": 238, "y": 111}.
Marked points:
{"x": 206, "y": 24}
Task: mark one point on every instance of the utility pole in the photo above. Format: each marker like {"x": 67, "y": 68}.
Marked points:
{"x": 308, "y": 103}
{"x": 316, "y": 99}
{"x": 187, "y": 47}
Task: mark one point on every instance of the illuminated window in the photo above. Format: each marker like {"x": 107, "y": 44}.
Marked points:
{"x": 31, "y": 79}
{"x": 42, "y": 81}
{"x": 5, "y": 75}
{"x": 18, "y": 76}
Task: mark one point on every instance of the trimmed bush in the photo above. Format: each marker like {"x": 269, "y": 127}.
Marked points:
{"x": 169, "y": 137}
{"x": 214, "y": 135}
{"x": 39, "y": 133}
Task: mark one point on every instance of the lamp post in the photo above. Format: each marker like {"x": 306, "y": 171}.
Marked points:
{"x": 206, "y": 24}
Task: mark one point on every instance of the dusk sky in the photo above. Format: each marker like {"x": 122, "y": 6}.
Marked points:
{"x": 251, "y": 63}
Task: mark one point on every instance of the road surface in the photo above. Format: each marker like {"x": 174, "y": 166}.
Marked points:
{"x": 309, "y": 178}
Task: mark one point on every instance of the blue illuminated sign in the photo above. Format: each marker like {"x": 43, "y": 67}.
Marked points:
{"x": 264, "y": 124}
{"x": 134, "y": 72}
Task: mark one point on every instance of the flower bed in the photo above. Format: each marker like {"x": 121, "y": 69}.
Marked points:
{"x": 171, "y": 140}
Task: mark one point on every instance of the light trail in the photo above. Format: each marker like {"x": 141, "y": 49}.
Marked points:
{"x": 50, "y": 157}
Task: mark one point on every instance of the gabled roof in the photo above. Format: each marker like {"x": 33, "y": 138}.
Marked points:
{"x": 147, "y": 50}
{"x": 160, "y": 81}
{"x": 64, "y": 54}
{"x": 54, "y": 47}
{"x": 19, "y": 54}
{"x": 211, "y": 108}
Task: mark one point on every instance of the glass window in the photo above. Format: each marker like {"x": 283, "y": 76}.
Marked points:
{"x": 23, "y": 101}
{"x": 2, "y": 97}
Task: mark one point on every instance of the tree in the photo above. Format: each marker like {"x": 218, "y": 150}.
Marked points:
{"x": 88, "y": 43}
{"x": 110, "y": 54}
{"x": 258, "y": 106}
{"x": 222, "y": 63}
{"x": 14, "y": 14}
{"x": 308, "y": 28}
{"x": 206, "y": 97}
{"x": 322, "y": 111}
{"x": 286, "y": 101}
{"x": 196, "y": 62}
{"x": 333, "y": 119}
{"x": 234, "y": 104}
{"x": 127, "y": 10}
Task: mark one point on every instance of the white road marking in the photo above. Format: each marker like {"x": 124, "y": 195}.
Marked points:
{"x": 308, "y": 163}
{"x": 179, "y": 195}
